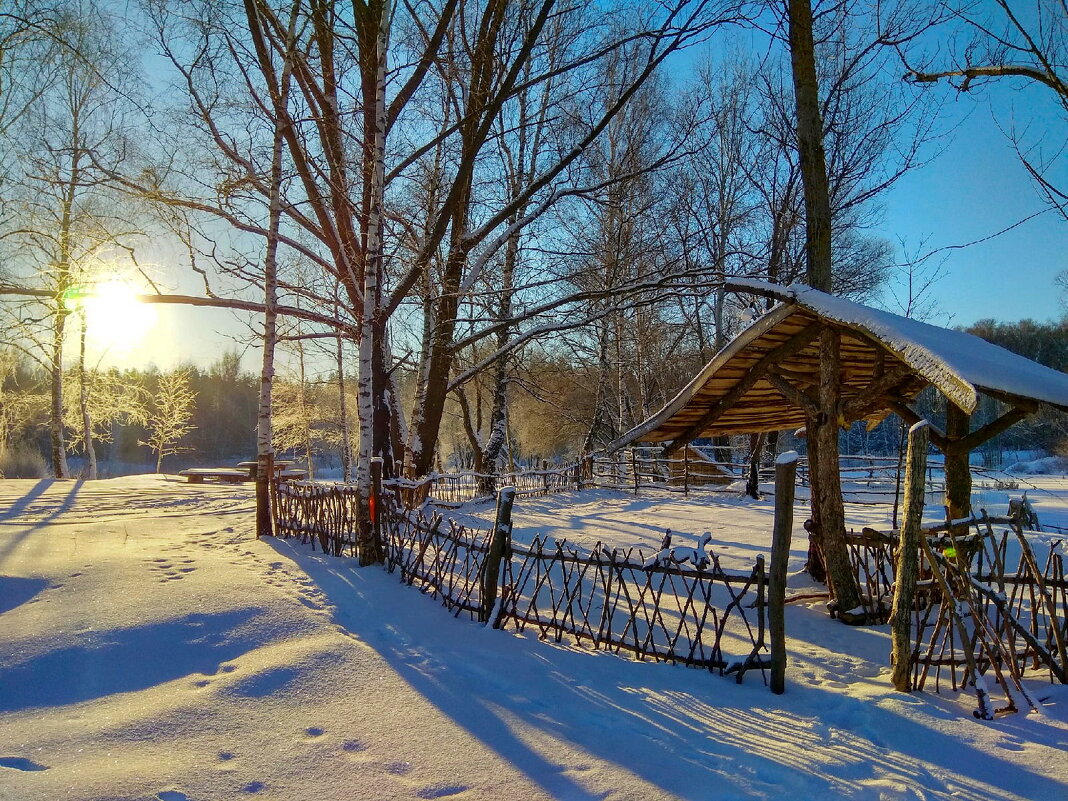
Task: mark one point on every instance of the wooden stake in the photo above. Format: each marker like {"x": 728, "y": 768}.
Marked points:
{"x": 908, "y": 559}
{"x": 785, "y": 471}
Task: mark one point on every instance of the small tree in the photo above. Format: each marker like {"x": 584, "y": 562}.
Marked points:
{"x": 173, "y": 406}
{"x": 97, "y": 400}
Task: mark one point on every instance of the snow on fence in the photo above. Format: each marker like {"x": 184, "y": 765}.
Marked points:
{"x": 323, "y": 513}
{"x": 1013, "y": 604}
{"x": 678, "y": 606}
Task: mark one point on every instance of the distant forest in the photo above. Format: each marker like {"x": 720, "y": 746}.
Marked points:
{"x": 551, "y": 411}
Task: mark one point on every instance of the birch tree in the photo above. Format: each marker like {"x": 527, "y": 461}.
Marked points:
{"x": 59, "y": 216}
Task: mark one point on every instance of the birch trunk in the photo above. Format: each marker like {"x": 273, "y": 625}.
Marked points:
{"x": 264, "y": 432}
{"x": 343, "y": 410}
{"x": 90, "y": 470}
{"x": 373, "y": 68}
{"x": 59, "y": 444}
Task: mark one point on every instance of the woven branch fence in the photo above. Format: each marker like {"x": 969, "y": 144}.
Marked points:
{"x": 1015, "y": 603}
{"x": 677, "y": 606}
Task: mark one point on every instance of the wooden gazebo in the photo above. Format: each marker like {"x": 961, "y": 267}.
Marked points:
{"x": 825, "y": 362}
{"x": 756, "y": 383}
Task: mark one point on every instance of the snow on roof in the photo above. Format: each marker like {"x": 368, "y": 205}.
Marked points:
{"x": 959, "y": 365}
{"x": 956, "y": 362}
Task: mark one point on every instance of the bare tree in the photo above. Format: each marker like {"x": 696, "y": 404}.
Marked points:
{"x": 1007, "y": 42}
{"x": 58, "y": 222}
{"x": 172, "y": 413}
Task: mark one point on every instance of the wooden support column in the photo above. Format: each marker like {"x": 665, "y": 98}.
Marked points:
{"x": 958, "y": 469}
{"x": 827, "y": 480}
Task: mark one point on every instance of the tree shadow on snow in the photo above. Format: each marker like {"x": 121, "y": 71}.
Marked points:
{"x": 125, "y": 660}
{"x": 690, "y": 733}
{"x": 15, "y": 591}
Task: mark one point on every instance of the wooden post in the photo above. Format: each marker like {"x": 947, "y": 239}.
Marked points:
{"x": 958, "y": 469}
{"x": 499, "y": 545}
{"x": 908, "y": 558}
{"x": 686, "y": 470}
{"x": 634, "y": 468}
{"x": 785, "y": 473}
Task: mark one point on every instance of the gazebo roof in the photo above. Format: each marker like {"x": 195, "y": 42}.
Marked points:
{"x": 886, "y": 360}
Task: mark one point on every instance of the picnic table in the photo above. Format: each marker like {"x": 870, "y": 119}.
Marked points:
{"x": 197, "y": 475}
{"x": 251, "y": 467}
{"x": 245, "y": 471}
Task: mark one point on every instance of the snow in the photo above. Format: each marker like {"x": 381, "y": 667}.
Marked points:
{"x": 944, "y": 356}
{"x": 152, "y": 648}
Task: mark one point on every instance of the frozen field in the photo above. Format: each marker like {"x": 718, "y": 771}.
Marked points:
{"x": 152, "y": 648}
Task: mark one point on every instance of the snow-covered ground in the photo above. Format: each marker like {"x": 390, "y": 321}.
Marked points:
{"x": 152, "y": 648}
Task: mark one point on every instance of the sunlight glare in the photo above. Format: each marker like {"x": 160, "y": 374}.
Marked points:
{"x": 116, "y": 320}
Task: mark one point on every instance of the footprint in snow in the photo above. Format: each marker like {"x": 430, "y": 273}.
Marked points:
{"x": 314, "y": 731}
{"x": 225, "y": 756}
{"x": 21, "y": 763}
{"x": 254, "y": 787}
{"x": 172, "y": 795}
{"x": 353, "y": 746}
{"x": 441, "y": 790}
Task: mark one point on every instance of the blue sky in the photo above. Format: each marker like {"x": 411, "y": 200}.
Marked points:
{"x": 976, "y": 187}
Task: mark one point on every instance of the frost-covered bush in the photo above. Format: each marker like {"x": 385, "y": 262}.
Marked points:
{"x": 22, "y": 460}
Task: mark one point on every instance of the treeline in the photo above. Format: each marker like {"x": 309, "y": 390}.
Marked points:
{"x": 132, "y": 416}
{"x": 553, "y": 403}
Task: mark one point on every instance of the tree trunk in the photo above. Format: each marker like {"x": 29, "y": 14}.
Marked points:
{"x": 815, "y": 566}
{"x": 264, "y": 427}
{"x": 59, "y": 444}
{"x": 371, "y": 391}
{"x": 813, "y": 161}
{"x": 827, "y": 483}
{"x": 90, "y": 470}
{"x": 343, "y": 411}
{"x": 756, "y": 449}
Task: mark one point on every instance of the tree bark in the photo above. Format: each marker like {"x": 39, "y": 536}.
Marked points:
{"x": 958, "y": 469}
{"x": 371, "y": 390}
{"x": 90, "y": 470}
{"x": 827, "y": 487}
{"x": 812, "y": 158}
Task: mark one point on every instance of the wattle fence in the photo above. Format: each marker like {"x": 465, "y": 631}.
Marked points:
{"x": 676, "y": 605}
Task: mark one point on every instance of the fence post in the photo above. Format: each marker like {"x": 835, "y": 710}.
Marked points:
{"x": 491, "y": 568}
{"x": 785, "y": 472}
{"x": 634, "y": 467}
{"x": 908, "y": 558}
{"x": 686, "y": 470}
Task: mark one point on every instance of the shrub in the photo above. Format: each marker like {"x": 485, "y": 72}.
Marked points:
{"x": 23, "y": 460}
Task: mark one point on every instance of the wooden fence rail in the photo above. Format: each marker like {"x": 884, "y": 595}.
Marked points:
{"x": 1018, "y": 602}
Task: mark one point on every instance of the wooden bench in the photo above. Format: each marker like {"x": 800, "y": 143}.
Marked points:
{"x": 197, "y": 475}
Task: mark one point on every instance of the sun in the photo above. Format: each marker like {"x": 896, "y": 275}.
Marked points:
{"x": 115, "y": 319}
